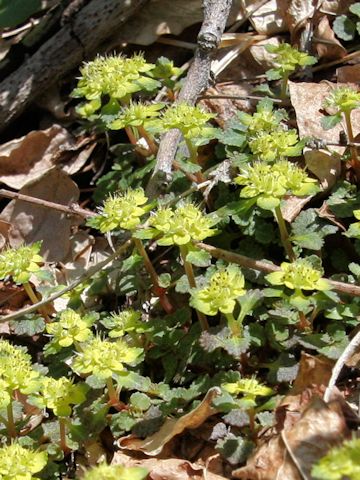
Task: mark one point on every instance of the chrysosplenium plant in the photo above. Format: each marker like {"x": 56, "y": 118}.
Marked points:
{"x": 287, "y": 59}
{"x": 186, "y": 302}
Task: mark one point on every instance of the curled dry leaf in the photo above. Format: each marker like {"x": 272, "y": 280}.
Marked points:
{"x": 161, "y": 469}
{"x": 300, "y": 444}
{"x": 30, "y": 223}
{"x": 267, "y": 17}
{"x": 320, "y": 427}
{"x": 327, "y": 45}
{"x": 293, "y": 205}
{"x": 28, "y": 158}
{"x": 154, "y": 444}
{"x": 326, "y": 166}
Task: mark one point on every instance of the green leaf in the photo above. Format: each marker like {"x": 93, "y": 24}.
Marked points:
{"x": 215, "y": 338}
{"x": 234, "y": 449}
{"x": 121, "y": 423}
{"x": 199, "y": 258}
{"x": 273, "y": 74}
{"x": 309, "y": 230}
{"x": 330, "y": 121}
{"x": 344, "y": 199}
{"x": 355, "y": 9}
{"x": 140, "y": 401}
{"x": 14, "y": 12}
{"x": 29, "y": 325}
{"x": 344, "y": 28}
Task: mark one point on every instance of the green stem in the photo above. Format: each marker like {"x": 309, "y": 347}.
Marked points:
{"x": 160, "y": 292}
{"x": 234, "y": 325}
{"x": 284, "y": 235}
{"x": 283, "y": 90}
{"x": 192, "y": 150}
{"x": 62, "y": 426}
{"x": 10, "y": 421}
{"x": 304, "y": 323}
{"x": 113, "y": 396}
{"x": 192, "y": 282}
{"x": 34, "y": 299}
{"x": 149, "y": 139}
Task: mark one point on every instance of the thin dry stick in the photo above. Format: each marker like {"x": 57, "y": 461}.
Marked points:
{"x": 344, "y": 357}
{"x": 73, "y": 209}
{"x": 267, "y": 267}
{"x": 216, "y": 13}
{"x": 91, "y": 272}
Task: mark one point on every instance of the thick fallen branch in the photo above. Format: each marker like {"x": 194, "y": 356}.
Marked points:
{"x": 216, "y": 13}
{"x": 64, "y": 51}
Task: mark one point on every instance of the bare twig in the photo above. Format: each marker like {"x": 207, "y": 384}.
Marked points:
{"x": 267, "y": 267}
{"x": 91, "y": 272}
{"x": 216, "y": 13}
{"x": 73, "y": 209}
{"x": 74, "y": 42}
{"x": 344, "y": 357}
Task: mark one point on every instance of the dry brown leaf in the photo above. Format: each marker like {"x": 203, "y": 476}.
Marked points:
{"x": 297, "y": 15}
{"x": 349, "y": 74}
{"x": 26, "y": 159}
{"x": 268, "y": 18}
{"x": 312, "y": 371}
{"x": 153, "y": 444}
{"x": 324, "y": 165}
{"x": 162, "y": 17}
{"x": 30, "y": 223}
{"x": 327, "y": 45}
{"x": 269, "y": 462}
{"x": 167, "y": 469}
{"x": 307, "y": 100}
{"x": 320, "y": 427}
{"x": 293, "y": 205}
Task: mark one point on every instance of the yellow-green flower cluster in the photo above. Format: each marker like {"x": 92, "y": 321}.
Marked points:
{"x": 16, "y": 371}
{"x": 115, "y": 472}
{"x": 190, "y": 120}
{"x": 20, "y": 263}
{"x": 224, "y": 287}
{"x": 103, "y": 358}
{"x": 115, "y": 76}
{"x": 249, "y": 387}
{"x": 264, "y": 120}
{"x": 136, "y": 115}
{"x": 343, "y": 99}
{"x": 122, "y": 211}
{"x": 71, "y": 328}
{"x": 181, "y": 226}
{"x": 59, "y": 394}
{"x": 341, "y": 462}
{"x": 123, "y": 322}
{"x": 298, "y": 275}
{"x": 19, "y": 463}
{"x": 270, "y": 183}
{"x": 287, "y": 60}
{"x": 276, "y": 145}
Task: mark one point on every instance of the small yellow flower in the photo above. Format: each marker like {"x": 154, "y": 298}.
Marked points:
{"x": 225, "y": 286}
{"x": 19, "y": 463}
{"x": 299, "y": 275}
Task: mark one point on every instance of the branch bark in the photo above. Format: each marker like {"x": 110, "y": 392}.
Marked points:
{"x": 216, "y": 13}
{"x": 64, "y": 51}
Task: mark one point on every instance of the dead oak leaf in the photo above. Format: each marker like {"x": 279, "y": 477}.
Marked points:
{"x": 154, "y": 444}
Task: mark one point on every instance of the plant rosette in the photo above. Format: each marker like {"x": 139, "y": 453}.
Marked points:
{"x": 19, "y": 463}
{"x": 298, "y": 276}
